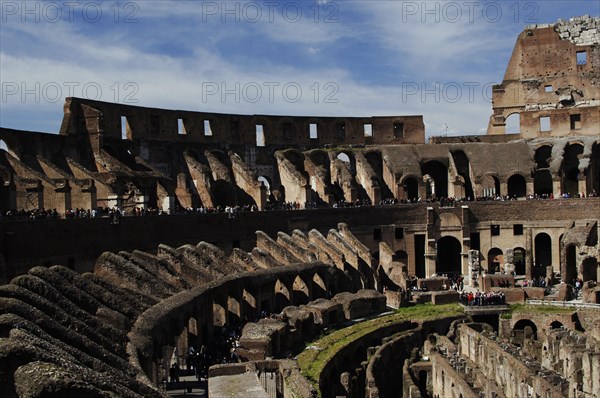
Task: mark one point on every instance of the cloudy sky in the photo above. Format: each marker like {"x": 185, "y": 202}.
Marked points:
{"x": 330, "y": 58}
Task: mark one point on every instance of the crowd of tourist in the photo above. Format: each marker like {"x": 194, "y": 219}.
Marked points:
{"x": 480, "y": 299}
{"x": 233, "y": 211}
{"x": 539, "y": 281}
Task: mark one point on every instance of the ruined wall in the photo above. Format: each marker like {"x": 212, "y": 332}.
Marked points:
{"x": 547, "y": 77}
{"x": 517, "y": 376}
{"x": 162, "y": 124}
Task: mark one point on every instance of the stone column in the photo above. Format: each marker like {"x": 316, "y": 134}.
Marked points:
{"x": 528, "y": 253}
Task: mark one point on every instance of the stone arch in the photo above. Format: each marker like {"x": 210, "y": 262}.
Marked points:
{"x": 439, "y": 173}
{"x": 282, "y": 295}
{"x": 519, "y": 260}
{"x": 319, "y": 157}
{"x": 249, "y": 305}
{"x": 343, "y": 156}
{"x": 463, "y": 167}
{"x": 513, "y": 123}
{"x": 523, "y": 324}
{"x": 495, "y": 260}
{"x": 449, "y": 256}
{"x": 375, "y": 160}
{"x": 542, "y": 253}
{"x": 319, "y": 288}
{"x": 517, "y": 186}
{"x": 570, "y": 169}
{"x": 301, "y": 291}
{"x": 570, "y": 263}
{"x": 220, "y": 155}
{"x": 590, "y": 269}
{"x": 400, "y": 256}
{"x": 593, "y": 171}
{"x": 266, "y": 181}
{"x": 490, "y": 185}
{"x": 411, "y": 188}
{"x": 295, "y": 157}
{"x": 556, "y": 325}
{"x": 542, "y": 156}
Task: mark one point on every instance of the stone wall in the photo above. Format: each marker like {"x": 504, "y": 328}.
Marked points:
{"x": 547, "y": 77}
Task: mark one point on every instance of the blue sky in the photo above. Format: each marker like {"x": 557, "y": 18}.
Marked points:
{"x": 331, "y": 58}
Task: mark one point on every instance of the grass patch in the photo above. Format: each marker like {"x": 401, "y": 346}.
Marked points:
{"x": 312, "y": 360}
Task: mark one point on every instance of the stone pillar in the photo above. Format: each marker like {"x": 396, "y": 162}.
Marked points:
{"x": 473, "y": 266}
{"x": 529, "y": 190}
{"x": 582, "y": 184}
{"x": 503, "y": 188}
{"x": 556, "y": 188}
{"x": 528, "y": 253}
{"x": 168, "y": 204}
{"x": 431, "y": 247}
{"x": 466, "y": 239}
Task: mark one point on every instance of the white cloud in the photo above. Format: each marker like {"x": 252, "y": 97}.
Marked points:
{"x": 171, "y": 55}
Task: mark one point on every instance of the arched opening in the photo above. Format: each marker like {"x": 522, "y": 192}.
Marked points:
{"x": 267, "y": 184}
{"x": 411, "y": 189}
{"x": 301, "y": 292}
{"x": 517, "y": 187}
{"x": 343, "y": 157}
{"x": 220, "y": 156}
{"x": 448, "y": 256}
{"x": 282, "y": 296}
{"x": 570, "y": 169}
{"x": 490, "y": 186}
{"x": 590, "y": 269}
{"x": 423, "y": 382}
{"x": 519, "y": 260}
{"x": 495, "y": 260}
{"x": 400, "y": 256}
{"x": 571, "y": 266}
{"x": 542, "y": 182}
{"x": 249, "y": 304}
{"x": 439, "y": 173}
{"x": 429, "y": 186}
{"x": 513, "y": 124}
{"x": 593, "y": 173}
{"x": 543, "y": 254}
{"x": 556, "y": 325}
{"x": 319, "y": 290}
{"x": 463, "y": 168}
{"x": 542, "y": 178}
{"x": 527, "y": 327}
{"x": 296, "y": 158}
{"x": 542, "y": 157}
{"x": 376, "y": 162}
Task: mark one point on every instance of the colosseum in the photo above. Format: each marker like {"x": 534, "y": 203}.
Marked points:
{"x": 153, "y": 253}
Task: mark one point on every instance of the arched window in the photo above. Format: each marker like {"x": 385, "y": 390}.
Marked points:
{"x": 517, "y": 187}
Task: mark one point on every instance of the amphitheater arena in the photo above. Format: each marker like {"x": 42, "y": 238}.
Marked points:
{"x": 280, "y": 256}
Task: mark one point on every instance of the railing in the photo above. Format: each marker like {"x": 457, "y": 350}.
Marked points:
{"x": 563, "y": 304}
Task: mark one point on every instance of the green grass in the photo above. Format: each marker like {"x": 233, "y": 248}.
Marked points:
{"x": 312, "y": 361}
